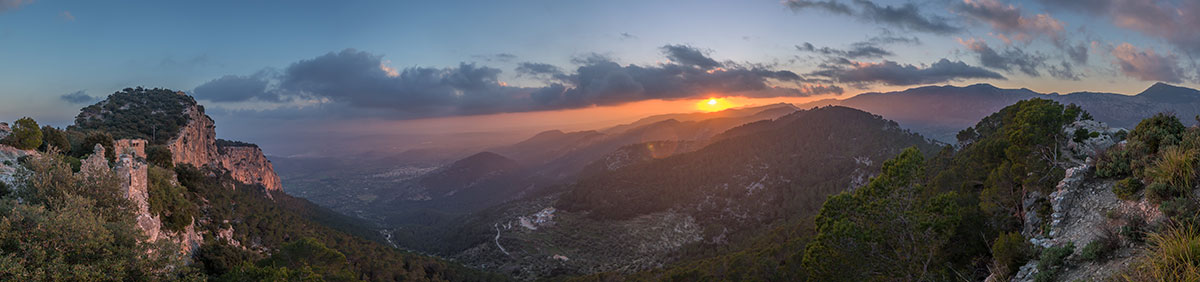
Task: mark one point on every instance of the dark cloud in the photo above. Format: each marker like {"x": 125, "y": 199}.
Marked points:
{"x": 626, "y": 35}
{"x": 1146, "y": 64}
{"x": 237, "y": 88}
{"x": 892, "y": 73}
{"x": 1077, "y": 53}
{"x": 539, "y": 69}
{"x": 906, "y": 16}
{"x": 689, "y": 55}
{"x": 1011, "y": 58}
{"x": 1063, "y": 71}
{"x": 362, "y": 82}
{"x": 854, "y": 52}
{"x": 78, "y": 97}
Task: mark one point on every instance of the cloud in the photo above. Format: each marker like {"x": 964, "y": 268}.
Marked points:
{"x": 6, "y": 5}
{"x": 892, "y": 73}
{"x": 78, "y": 97}
{"x": 1063, "y": 71}
{"x": 858, "y": 50}
{"x": 498, "y": 57}
{"x": 1173, "y": 21}
{"x": 1146, "y": 64}
{"x": 356, "y": 83}
{"x": 236, "y": 88}
{"x": 1007, "y": 60}
{"x": 67, "y": 16}
{"x": 906, "y": 16}
{"x": 689, "y": 55}
{"x": 1077, "y": 53}
{"x": 626, "y": 35}
{"x": 1011, "y": 22}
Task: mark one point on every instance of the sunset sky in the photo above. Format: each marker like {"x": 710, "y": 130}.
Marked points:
{"x": 393, "y": 62}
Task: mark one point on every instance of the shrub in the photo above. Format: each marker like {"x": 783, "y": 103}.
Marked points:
{"x": 1113, "y": 163}
{"x": 25, "y": 134}
{"x": 56, "y": 138}
{"x": 1101, "y": 247}
{"x": 160, "y": 155}
{"x": 1173, "y": 256}
{"x": 1120, "y": 135}
{"x": 1175, "y": 166}
{"x": 169, "y": 200}
{"x": 89, "y": 144}
{"x": 1181, "y": 210}
{"x": 1052, "y": 260}
{"x": 1158, "y": 192}
{"x": 1080, "y": 135}
{"x": 1009, "y": 252}
{"x": 1128, "y": 188}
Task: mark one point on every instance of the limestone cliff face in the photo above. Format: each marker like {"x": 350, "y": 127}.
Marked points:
{"x": 196, "y": 143}
{"x": 248, "y": 164}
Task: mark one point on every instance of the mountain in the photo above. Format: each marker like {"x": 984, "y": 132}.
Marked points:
{"x": 165, "y": 200}
{"x": 941, "y": 111}
{"x": 646, "y": 213}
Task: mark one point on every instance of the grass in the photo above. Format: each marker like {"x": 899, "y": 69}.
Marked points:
{"x": 1173, "y": 255}
{"x": 1176, "y": 167}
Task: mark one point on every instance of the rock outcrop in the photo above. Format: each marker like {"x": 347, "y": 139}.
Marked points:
{"x": 248, "y": 165}
{"x": 196, "y": 144}
{"x": 5, "y": 130}
{"x": 133, "y": 171}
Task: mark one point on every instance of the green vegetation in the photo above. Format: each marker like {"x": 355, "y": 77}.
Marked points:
{"x": 1128, "y": 188}
{"x": 55, "y": 138}
{"x": 168, "y": 200}
{"x": 303, "y": 260}
{"x": 1172, "y": 256}
{"x": 25, "y": 135}
{"x": 138, "y": 113}
{"x": 852, "y": 228}
{"x": 1051, "y": 261}
{"x": 1009, "y": 252}
{"x": 77, "y": 227}
{"x": 161, "y": 156}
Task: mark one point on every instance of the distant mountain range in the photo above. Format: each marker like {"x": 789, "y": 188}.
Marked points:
{"x": 939, "y": 112}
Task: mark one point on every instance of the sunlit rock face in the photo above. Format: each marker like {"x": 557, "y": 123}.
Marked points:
{"x": 247, "y": 164}
{"x": 196, "y": 143}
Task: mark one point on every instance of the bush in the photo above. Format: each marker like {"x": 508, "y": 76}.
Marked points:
{"x": 1099, "y": 249}
{"x": 1113, "y": 163}
{"x": 1080, "y": 135}
{"x": 1158, "y": 192}
{"x": 160, "y": 155}
{"x": 1052, "y": 260}
{"x": 1172, "y": 256}
{"x": 1175, "y": 166}
{"x": 169, "y": 201}
{"x": 1009, "y": 252}
{"x": 1181, "y": 210}
{"x": 25, "y": 134}
{"x": 56, "y": 138}
{"x": 1128, "y": 188}
{"x": 89, "y": 145}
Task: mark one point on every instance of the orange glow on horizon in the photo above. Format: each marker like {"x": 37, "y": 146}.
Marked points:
{"x": 715, "y": 104}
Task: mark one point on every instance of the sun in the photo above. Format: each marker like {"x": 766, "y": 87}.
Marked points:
{"x": 713, "y": 104}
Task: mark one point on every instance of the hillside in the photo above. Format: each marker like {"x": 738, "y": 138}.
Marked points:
{"x": 184, "y": 206}
{"x": 941, "y": 111}
{"x": 645, "y": 214}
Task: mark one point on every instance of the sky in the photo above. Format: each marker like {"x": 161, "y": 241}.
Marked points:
{"x": 267, "y": 68}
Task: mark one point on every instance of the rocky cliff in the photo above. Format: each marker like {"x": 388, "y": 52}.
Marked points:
{"x": 248, "y": 164}
{"x": 196, "y": 144}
